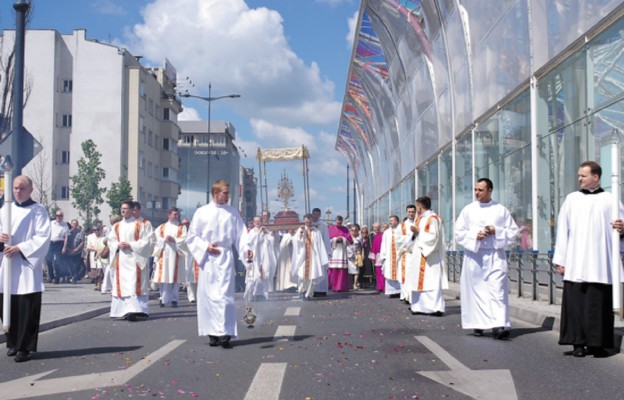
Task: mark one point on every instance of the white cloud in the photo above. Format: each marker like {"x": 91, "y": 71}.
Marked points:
{"x": 352, "y": 22}
{"x": 108, "y": 7}
{"x": 189, "y": 114}
{"x": 240, "y": 50}
{"x": 334, "y": 3}
{"x": 271, "y": 135}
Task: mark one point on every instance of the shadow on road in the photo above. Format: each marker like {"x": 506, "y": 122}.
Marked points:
{"x": 43, "y": 355}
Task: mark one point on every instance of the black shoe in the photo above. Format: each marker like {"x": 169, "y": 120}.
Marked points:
{"x": 161, "y": 303}
{"x": 174, "y": 304}
{"x": 500, "y": 333}
{"x": 22, "y": 356}
{"x": 320, "y": 294}
{"x": 225, "y": 342}
{"x": 477, "y": 332}
{"x": 597, "y": 352}
{"x": 437, "y": 314}
{"x": 579, "y": 351}
{"x": 394, "y": 296}
{"x": 11, "y": 352}
{"x": 214, "y": 341}
{"x": 131, "y": 317}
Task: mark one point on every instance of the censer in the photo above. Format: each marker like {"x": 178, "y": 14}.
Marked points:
{"x": 249, "y": 317}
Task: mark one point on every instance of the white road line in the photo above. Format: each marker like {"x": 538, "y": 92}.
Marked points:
{"x": 267, "y": 383}
{"x": 484, "y": 384}
{"x": 292, "y": 311}
{"x": 33, "y": 385}
{"x": 442, "y": 354}
{"x": 285, "y": 332}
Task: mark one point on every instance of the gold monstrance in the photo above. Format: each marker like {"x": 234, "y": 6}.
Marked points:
{"x": 285, "y": 189}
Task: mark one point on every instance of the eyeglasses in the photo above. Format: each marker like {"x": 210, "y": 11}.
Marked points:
{"x": 59, "y": 215}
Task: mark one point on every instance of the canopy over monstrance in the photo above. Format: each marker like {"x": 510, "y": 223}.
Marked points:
{"x": 283, "y": 154}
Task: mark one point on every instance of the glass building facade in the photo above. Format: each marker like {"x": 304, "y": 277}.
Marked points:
{"x": 443, "y": 92}
{"x": 205, "y": 158}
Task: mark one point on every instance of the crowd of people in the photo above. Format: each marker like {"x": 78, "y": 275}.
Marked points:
{"x": 403, "y": 259}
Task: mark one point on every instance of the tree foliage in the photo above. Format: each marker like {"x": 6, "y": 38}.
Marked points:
{"x": 85, "y": 185}
{"x": 118, "y": 192}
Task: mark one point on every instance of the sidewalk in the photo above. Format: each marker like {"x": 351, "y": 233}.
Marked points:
{"x": 66, "y": 303}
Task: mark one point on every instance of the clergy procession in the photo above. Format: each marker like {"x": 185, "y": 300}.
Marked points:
{"x": 403, "y": 258}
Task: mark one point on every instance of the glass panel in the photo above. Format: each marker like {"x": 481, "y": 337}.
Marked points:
{"x": 463, "y": 171}
{"x": 606, "y": 61}
{"x": 445, "y": 209}
{"x": 564, "y": 92}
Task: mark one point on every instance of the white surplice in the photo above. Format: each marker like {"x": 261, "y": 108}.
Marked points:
{"x": 30, "y": 232}
{"x": 583, "y": 243}
{"x": 261, "y": 269}
{"x": 130, "y": 267}
{"x": 216, "y": 311}
{"x": 309, "y": 258}
{"x": 283, "y": 275}
{"x": 169, "y": 260}
{"x": 428, "y": 260}
{"x": 322, "y": 285}
{"x": 388, "y": 256}
{"x": 483, "y": 282}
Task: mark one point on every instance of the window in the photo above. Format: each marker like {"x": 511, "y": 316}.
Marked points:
{"x": 142, "y": 89}
{"x": 65, "y": 157}
{"x": 156, "y": 141}
{"x": 141, "y": 124}
{"x": 64, "y": 192}
{"x": 141, "y": 159}
{"x": 166, "y": 114}
{"x": 150, "y": 169}
{"x": 151, "y": 106}
{"x": 150, "y": 138}
{"x": 68, "y": 85}
{"x": 67, "y": 120}
{"x": 165, "y": 172}
{"x": 166, "y": 144}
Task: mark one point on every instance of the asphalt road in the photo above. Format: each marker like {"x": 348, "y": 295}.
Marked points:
{"x": 358, "y": 345}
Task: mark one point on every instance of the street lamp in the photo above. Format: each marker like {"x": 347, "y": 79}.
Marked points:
{"x": 209, "y": 99}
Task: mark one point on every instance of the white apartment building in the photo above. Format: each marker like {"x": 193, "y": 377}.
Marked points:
{"x": 82, "y": 89}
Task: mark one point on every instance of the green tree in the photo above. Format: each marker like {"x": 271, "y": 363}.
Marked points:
{"x": 85, "y": 185}
{"x": 118, "y": 192}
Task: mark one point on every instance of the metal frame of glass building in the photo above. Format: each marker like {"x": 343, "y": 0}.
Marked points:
{"x": 442, "y": 92}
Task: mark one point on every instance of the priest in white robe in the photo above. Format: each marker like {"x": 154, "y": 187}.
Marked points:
{"x": 405, "y": 269}
{"x": 321, "y": 287}
{"x": 260, "y": 268}
{"x": 484, "y": 229}
{"x": 169, "y": 258}
{"x": 583, "y": 256}
{"x": 130, "y": 244}
{"x": 29, "y": 236}
{"x": 284, "y": 262}
{"x": 388, "y": 257}
{"x": 309, "y": 257}
{"x": 215, "y": 230}
{"x": 428, "y": 258}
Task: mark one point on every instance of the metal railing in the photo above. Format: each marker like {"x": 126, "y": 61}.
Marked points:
{"x": 531, "y": 274}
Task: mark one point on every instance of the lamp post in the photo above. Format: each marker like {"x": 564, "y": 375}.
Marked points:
{"x": 209, "y": 99}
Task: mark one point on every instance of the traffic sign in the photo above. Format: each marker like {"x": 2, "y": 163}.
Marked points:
{"x": 30, "y": 149}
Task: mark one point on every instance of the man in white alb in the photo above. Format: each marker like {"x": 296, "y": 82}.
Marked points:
{"x": 321, "y": 287}
{"x": 484, "y": 229}
{"x": 130, "y": 247}
{"x": 169, "y": 258}
{"x": 388, "y": 257}
{"x": 309, "y": 257}
{"x": 215, "y": 230}
{"x": 261, "y": 266}
{"x": 428, "y": 262}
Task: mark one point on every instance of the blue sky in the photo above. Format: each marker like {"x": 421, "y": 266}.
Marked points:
{"x": 287, "y": 58}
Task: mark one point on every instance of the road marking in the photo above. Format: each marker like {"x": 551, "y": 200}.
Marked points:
{"x": 267, "y": 384}
{"x": 31, "y": 386}
{"x": 285, "y": 332}
{"x": 479, "y": 384}
{"x": 292, "y": 311}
